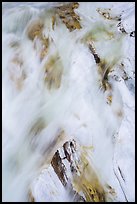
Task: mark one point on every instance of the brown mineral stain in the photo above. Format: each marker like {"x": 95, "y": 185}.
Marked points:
{"x": 93, "y": 51}
{"x": 84, "y": 177}
{"x": 68, "y": 16}
{"x": 88, "y": 182}
{"x": 17, "y": 60}
{"x": 106, "y": 14}
{"x": 53, "y": 72}
{"x": 109, "y": 99}
{"x": 30, "y": 196}
{"x": 38, "y": 126}
{"x": 98, "y": 33}
{"x": 19, "y": 77}
{"x": 53, "y": 22}
{"x": 35, "y": 29}
{"x": 45, "y": 46}
{"x": 104, "y": 68}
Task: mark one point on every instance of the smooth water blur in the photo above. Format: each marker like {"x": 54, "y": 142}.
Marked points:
{"x": 34, "y": 116}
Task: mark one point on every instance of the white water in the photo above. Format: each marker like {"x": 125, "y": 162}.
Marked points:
{"x": 78, "y": 101}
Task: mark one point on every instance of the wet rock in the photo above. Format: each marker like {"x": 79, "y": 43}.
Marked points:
{"x": 69, "y": 17}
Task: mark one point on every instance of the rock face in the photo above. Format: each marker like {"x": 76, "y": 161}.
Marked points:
{"x": 76, "y": 175}
{"x": 68, "y": 77}
{"x": 82, "y": 179}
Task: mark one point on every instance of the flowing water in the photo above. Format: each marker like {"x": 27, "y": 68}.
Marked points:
{"x": 52, "y": 83}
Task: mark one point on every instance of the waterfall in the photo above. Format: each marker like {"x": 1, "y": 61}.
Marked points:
{"x": 67, "y": 73}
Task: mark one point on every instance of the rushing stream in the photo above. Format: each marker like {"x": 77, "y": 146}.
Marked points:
{"x": 68, "y": 73}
